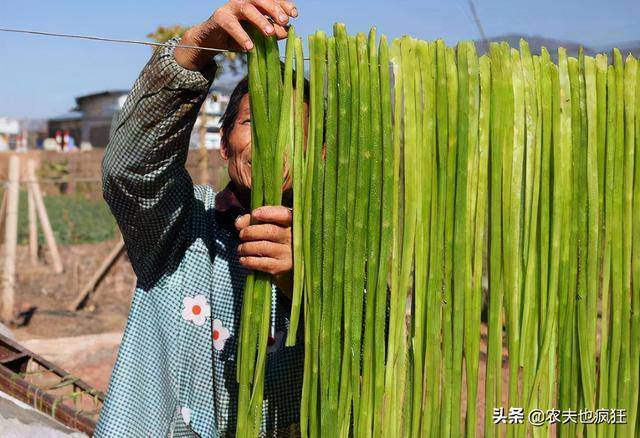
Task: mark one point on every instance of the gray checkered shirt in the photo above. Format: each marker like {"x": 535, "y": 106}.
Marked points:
{"x": 176, "y": 368}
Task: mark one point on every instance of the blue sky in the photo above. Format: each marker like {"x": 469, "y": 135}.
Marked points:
{"x": 40, "y": 76}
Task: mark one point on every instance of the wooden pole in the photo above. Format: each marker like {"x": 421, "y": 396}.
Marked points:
{"x": 44, "y": 218}
{"x": 3, "y": 212}
{"x": 33, "y": 227}
{"x": 99, "y": 274}
{"x": 11, "y": 239}
{"x": 204, "y": 156}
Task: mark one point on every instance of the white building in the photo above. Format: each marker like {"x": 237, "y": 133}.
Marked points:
{"x": 9, "y": 132}
{"x": 90, "y": 121}
{"x": 212, "y": 110}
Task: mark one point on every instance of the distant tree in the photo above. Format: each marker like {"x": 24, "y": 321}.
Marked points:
{"x": 234, "y": 63}
{"x": 163, "y": 34}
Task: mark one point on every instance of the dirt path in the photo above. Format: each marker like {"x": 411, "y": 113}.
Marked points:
{"x": 85, "y": 343}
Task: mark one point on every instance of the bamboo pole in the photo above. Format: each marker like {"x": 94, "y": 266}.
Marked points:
{"x": 44, "y": 218}
{"x": 11, "y": 239}
{"x": 203, "y": 163}
{"x": 33, "y": 228}
{"x": 104, "y": 268}
{"x": 3, "y": 212}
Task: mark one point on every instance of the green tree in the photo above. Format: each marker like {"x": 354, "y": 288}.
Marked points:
{"x": 232, "y": 62}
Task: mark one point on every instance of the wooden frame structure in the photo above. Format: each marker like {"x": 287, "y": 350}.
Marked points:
{"x": 32, "y": 379}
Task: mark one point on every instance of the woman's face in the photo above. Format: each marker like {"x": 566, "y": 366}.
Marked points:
{"x": 236, "y": 150}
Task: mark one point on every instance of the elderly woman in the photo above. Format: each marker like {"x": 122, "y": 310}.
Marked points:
{"x": 192, "y": 248}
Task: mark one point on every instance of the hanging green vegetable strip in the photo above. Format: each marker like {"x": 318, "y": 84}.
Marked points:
{"x": 575, "y": 275}
{"x": 528, "y": 354}
{"x": 578, "y": 247}
{"x": 531, "y": 121}
{"x": 436, "y": 93}
{"x": 282, "y": 100}
{"x": 360, "y": 220}
{"x": 298, "y": 194}
{"x": 389, "y": 419}
{"x": 607, "y": 286}
{"x": 386, "y": 238}
{"x": 590, "y": 139}
{"x": 545, "y": 362}
{"x": 581, "y": 342}
{"x": 307, "y": 254}
{"x": 433, "y": 233}
{"x": 306, "y": 411}
{"x": 559, "y": 233}
{"x": 629, "y": 84}
{"x": 635, "y": 280}
{"x": 481, "y": 216}
{"x": 408, "y": 69}
{"x": 462, "y": 264}
{"x": 450, "y": 165}
{"x": 268, "y": 148}
{"x": 344, "y": 136}
{"x": 344, "y": 401}
{"x": 248, "y": 332}
{"x": 606, "y": 173}
{"x": 500, "y": 96}
{"x": 617, "y": 144}
{"x": 318, "y": 69}
{"x": 369, "y": 344}
{"x": 568, "y": 256}
{"x": 586, "y": 307}
{"x": 513, "y": 232}
{"x": 421, "y": 248}
{"x": 532, "y": 279}
{"x": 601, "y": 91}
{"x": 476, "y": 186}
{"x": 328, "y": 229}
{"x": 425, "y": 165}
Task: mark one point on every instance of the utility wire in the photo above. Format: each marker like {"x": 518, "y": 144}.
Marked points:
{"x": 115, "y": 40}
{"x": 476, "y": 18}
{"x": 109, "y": 40}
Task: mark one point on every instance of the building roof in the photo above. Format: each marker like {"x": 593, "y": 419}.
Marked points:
{"x": 67, "y": 117}
{"x": 101, "y": 94}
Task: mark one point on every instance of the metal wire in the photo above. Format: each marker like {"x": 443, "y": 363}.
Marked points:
{"x": 116, "y": 40}
{"x": 109, "y": 40}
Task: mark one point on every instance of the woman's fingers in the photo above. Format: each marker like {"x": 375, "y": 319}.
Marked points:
{"x": 281, "y": 32}
{"x": 251, "y": 13}
{"x": 265, "y": 264}
{"x": 263, "y": 248}
{"x": 230, "y": 23}
{"x": 243, "y": 221}
{"x": 269, "y": 232}
{"x": 272, "y": 8}
{"x": 289, "y": 8}
{"x": 278, "y": 215}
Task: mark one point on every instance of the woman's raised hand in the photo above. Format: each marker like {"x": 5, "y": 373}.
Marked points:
{"x": 223, "y": 30}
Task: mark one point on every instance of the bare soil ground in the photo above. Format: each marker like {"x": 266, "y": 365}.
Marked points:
{"x": 85, "y": 342}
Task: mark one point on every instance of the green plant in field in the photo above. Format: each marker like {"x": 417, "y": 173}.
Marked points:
{"x": 74, "y": 219}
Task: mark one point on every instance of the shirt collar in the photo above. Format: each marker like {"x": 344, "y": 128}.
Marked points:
{"x": 228, "y": 207}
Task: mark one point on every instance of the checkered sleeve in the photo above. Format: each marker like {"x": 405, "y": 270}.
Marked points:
{"x": 145, "y": 182}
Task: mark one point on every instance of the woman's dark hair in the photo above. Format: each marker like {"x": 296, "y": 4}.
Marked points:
{"x": 230, "y": 115}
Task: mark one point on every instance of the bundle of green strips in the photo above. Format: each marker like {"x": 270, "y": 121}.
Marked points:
{"x": 462, "y": 224}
